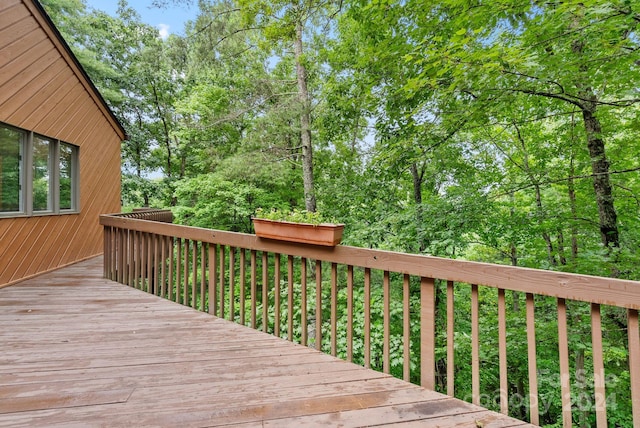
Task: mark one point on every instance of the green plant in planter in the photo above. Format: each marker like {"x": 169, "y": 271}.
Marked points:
{"x": 295, "y": 216}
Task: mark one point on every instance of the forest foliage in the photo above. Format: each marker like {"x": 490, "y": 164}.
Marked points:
{"x": 504, "y": 131}
{"x": 499, "y": 131}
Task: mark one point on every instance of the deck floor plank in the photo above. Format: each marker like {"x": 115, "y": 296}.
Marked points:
{"x": 79, "y": 350}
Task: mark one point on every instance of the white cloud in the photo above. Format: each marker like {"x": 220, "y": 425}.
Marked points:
{"x": 163, "y": 29}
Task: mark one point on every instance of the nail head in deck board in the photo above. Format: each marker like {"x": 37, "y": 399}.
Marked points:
{"x": 209, "y": 372}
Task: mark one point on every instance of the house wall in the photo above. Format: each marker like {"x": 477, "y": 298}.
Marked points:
{"x": 42, "y": 89}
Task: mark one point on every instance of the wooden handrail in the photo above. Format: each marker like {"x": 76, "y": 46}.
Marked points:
{"x": 152, "y": 214}
{"x": 210, "y": 270}
{"x": 584, "y": 288}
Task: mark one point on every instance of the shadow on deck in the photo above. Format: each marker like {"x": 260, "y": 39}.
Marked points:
{"x": 80, "y": 350}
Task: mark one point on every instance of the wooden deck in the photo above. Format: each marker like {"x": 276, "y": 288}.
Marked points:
{"x": 79, "y": 350}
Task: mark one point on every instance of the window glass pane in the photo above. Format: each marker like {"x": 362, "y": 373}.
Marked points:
{"x": 10, "y": 169}
{"x": 66, "y": 167}
{"x": 41, "y": 174}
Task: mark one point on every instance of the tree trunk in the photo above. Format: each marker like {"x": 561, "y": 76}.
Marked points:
{"x": 540, "y": 210}
{"x": 581, "y": 383}
{"x": 574, "y": 210}
{"x": 418, "y": 177}
{"x": 595, "y": 143}
{"x": 305, "y": 124}
{"x": 561, "y": 255}
{"x": 601, "y": 182}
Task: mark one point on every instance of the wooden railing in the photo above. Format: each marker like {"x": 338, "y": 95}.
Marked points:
{"x": 330, "y": 298}
{"x": 153, "y": 214}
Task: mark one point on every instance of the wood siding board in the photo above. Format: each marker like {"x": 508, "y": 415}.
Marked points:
{"x": 19, "y": 231}
{"x": 13, "y": 25}
{"x": 37, "y": 241}
{"x": 61, "y": 108}
{"x": 39, "y": 104}
{"x": 23, "y": 244}
{"x": 35, "y": 94}
{"x": 60, "y": 242}
{"x": 16, "y": 74}
{"x": 8, "y": 4}
{"x": 83, "y": 124}
{"x": 21, "y": 49}
{"x": 48, "y": 255}
{"x": 64, "y": 99}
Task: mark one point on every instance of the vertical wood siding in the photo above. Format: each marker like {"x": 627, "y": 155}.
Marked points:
{"x": 42, "y": 90}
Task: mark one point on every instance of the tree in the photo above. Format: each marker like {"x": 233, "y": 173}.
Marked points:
{"x": 576, "y": 54}
{"x": 286, "y": 22}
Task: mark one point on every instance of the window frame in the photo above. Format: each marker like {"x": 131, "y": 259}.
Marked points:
{"x": 26, "y": 176}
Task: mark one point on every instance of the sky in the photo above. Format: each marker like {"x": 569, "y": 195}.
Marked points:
{"x": 169, "y": 20}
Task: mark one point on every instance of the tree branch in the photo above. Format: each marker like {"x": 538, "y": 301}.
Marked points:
{"x": 560, "y": 180}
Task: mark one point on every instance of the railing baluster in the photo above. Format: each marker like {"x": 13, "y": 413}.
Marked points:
{"x": 156, "y": 263}
{"x": 633, "y": 333}
{"x": 598, "y": 367}
{"x": 150, "y": 263}
{"x": 171, "y": 241}
{"x": 427, "y": 333}
{"x": 194, "y": 275}
{"x": 533, "y": 365}
{"x": 163, "y": 267}
{"x": 334, "y": 308}
{"x": 265, "y": 291}
{"x": 137, "y": 269}
{"x": 386, "y": 322}
{"x": 475, "y": 347}
{"x": 563, "y": 353}
{"x": 212, "y": 293}
{"x": 290, "y": 298}
{"x": 232, "y": 283}
{"x": 243, "y": 285}
{"x": 130, "y": 257}
{"x": 502, "y": 352}
{"x": 303, "y": 301}
{"x": 142, "y": 260}
{"x": 185, "y": 264}
{"x": 203, "y": 275}
{"x": 450, "y": 340}
{"x": 106, "y": 252}
{"x": 349, "y": 313}
{"x": 121, "y": 258}
{"x": 318, "y": 322}
{"x": 221, "y": 279}
{"x": 276, "y": 309}
{"x": 253, "y": 288}
{"x": 367, "y": 318}
{"x": 406, "y": 328}
{"x": 178, "y": 270}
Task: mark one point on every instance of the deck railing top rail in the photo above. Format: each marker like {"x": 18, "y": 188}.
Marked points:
{"x": 585, "y": 288}
{"x": 151, "y": 214}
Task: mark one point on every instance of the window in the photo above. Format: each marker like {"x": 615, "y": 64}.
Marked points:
{"x": 41, "y": 176}
{"x": 11, "y": 146}
{"x": 38, "y": 174}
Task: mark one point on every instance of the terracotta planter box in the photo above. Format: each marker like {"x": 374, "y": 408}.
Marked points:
{"x": 322, "y": 234}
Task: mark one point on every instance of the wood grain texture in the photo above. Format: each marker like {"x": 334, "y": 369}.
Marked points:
{"x": 584, "y": 288}
{"x": 42, "y": 89}
{"x": 91, "y": 352}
